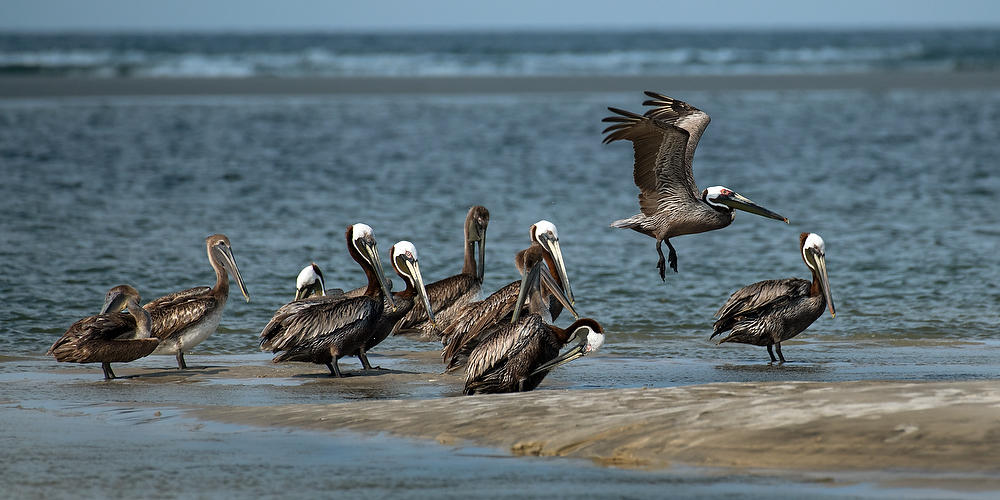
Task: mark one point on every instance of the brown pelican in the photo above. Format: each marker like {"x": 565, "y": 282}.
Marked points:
{"x": 324, "y": 329}
{"x": 403, "y": 256}
{"x": 462, "y": 334}
{"x": 515, "y": 356}
{"x": 772, "y": 311}
{"x": 109, "y": 337}
{"x": 310, "y": 283}
{"x": 664, "y": 140}
{"x": 448, "y": 296}
{"x": 183, "y": 319}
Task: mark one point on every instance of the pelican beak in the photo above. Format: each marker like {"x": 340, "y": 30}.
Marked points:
{"x": 743, "y": 203}
{"x": 825, "y": 282}
{"x": 578, "y": 351}
{"x": 551, "y": 245}
{"x": 369, "y": 248}
{"x": 558, "y": 293}
{"x": 229, "y": 262}
{"x": 529, "y": 280}
{"x": 414, "y": 271}
{"x": 114, "y": 302}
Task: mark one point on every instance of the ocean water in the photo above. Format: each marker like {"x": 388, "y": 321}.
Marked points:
{"x": 584, "y": 53}
{"x": 901, "y": 185}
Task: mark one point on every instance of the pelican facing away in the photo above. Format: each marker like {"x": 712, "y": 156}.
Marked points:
{"x": 449, "y": 295}
{"x": 515, "y": 356}
{"x": 109, "y": 337}
{"x": 772, "y": 311}
{"x": 183, "y": 319}
{"x": 664, "y": 140}
{"x": 462, "y": 334}
{"x": 324, "y": 329}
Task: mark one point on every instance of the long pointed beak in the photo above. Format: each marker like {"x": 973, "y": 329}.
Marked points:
{"x": 530, "y": 277}
{"x": 825, "y": 283}
{"x": 379, "y": 274}
{"x": 114, "y": 302}
{"x": 230, "y": 262}
{"x": 743, "y": 203}
{"x": 576, "y": 352}
{"x": 558, "y": 293}
{"x": 481, "y": 268}
{"x": 415, "y": 272}
{"x": 556, "y": 252}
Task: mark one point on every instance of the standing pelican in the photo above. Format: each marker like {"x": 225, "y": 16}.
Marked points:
{"x": 664, "y": 140}
{"x": 448, "y": 296}
{"x": 403, "y": 256}
{"x": 772, "y": 311}
{"x": 462, "y": 334}
{"x": 109, "y": 337}
{"x": 183, "y": 319}
{"x": 517, "y": 355}
{"x": 323, "y": 329}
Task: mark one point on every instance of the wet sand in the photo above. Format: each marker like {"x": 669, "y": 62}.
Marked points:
{"x": 38, "y": 87}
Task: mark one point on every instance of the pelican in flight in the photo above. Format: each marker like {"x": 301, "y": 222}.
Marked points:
{"x": 324, "y": 329}
{"x": 670, "y": 204}
{"x": 462, "y": 334}
{"x": 772, "y": 311}
{"x": 449, "y": 295}
{"x": 515, "y": 356}
{"x": 109, "y": 337}
{"x": 183, "y": 319}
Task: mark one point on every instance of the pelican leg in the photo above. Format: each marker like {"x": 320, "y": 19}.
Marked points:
{"x": 778, "y": 346}
{"x": 771, "y": 353}
{"x": 334, "y": 369}
{"x": 672, "y": 256}
{"x": 108, "y": 373}
{"x": 181, "y": 365}
{"x": 662, "y": 263}
{"x": 363, "y": 356}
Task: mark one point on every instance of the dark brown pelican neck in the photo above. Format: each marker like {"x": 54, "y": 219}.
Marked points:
{"x": 469, "y": 267}
{"x": 816, "y": 288}
{"x": 221, "y": 288}
{"x": 143, "y": 322}
{"x": 373, "y": 288}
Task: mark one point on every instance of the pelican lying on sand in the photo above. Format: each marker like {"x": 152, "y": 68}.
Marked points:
{"x": 109, "y": 337}
{"x": 515, "y": 356}
{"x": 449, "y": 295}
{"x": 664, "y": 140}
{"x": 324, "y": 329}
{"x": 183, "y": 319}
{"x": 772, "y": 311}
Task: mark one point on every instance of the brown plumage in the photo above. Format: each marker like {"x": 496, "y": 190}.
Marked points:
{"x": 769, "y": 312}
{"x": 109, "y": 337}
{"x": 450, "y": 295}
{"x": 664, "y": 140}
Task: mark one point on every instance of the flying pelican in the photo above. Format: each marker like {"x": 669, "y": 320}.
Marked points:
{"x": 109, "y": 337}
{"x": 324, "y": 329}
{"x": 462, "y": 334}
{"x": 517, "y": 355}
{"x": 664, "y": 140}
{"x": 310, "y": 283}
{"x": 448, "y": 296}
{"x": 772, "y": 311}
{"x": 183, "y": 319}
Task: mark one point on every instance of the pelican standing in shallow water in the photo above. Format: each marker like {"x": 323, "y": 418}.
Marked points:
{"x": 109, "y": 337}
{"x": 183, "y": 319}
{"x": 323, "y": 329}
{"x": 515, "y": 356}
{"x": 772, "y": 311}
{"x": 462, "y": 334}
{"x": 664, "y": 140}
{"x": 448, "y": 296}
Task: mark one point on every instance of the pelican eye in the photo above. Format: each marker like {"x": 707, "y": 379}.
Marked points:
{"x": 726, "y": 192}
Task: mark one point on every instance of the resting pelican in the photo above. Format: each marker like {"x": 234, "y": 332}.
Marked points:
{"x": 405, "y": 263}
{"x": 109, "y": 337}
{"x": 461, "y": 334}
{"x": 324, "y": 329}
{"x": 664, "y": 140}
{"x": 772, "y": 311}
{"x": 183, "y": 319}
{"x": 310, "y": 283}
{"x": 517, "y": 355}
{"x": 448, "y": 296}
